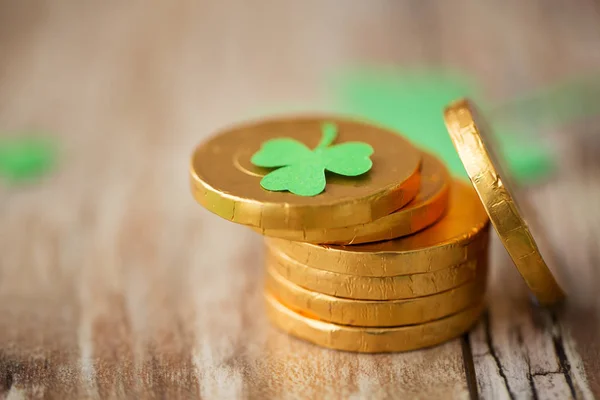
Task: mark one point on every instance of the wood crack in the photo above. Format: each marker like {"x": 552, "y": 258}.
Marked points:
{"x": 559, "y": 348}
{"x": 7, "y": 382}
{"x": 546, "y": 373}
{"x": 564, "y": 366}
{"x": 490, "y": 345}
{"x": 530, "y": 381}
{"x": 7, "y": 378}
{"x": 469, "y": 366}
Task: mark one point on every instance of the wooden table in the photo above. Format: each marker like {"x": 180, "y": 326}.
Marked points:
{"x": 115, "y": 284}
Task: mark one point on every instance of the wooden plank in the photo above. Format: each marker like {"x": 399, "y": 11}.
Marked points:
{"x": 113, "y": 282}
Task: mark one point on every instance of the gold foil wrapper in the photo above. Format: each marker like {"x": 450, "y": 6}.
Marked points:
{"x": 368, "y": 339}
{"x": 225, "y": 182}
{"x": 447, "y": 243}
{"x": 375, "y": 313}
{"x": 493, "y": 188}
{"x": 382, "y": 287}
{"x": 426, "y": 208}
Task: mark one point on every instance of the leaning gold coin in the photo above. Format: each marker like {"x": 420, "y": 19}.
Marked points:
{"x": 468, "y": 133}
{"x": 426, "y": 208}
{"x": 372, "y": 312}
{"x": 444, "y": 244}
{"x": 226, "y": 183}
{"x": 370, "y": 340}
{"x": 380, "y": 287}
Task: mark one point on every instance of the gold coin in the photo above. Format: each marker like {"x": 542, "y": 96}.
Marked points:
{"x": 444, "y": 244}
{"x": 378, "y": 288}
{"x": 225, "y": 182}
{"x": 426, "y": 208}
{"x": 370, "y": 340}
{"x": 493, "y": 187}
{"x": 373, "y": 312}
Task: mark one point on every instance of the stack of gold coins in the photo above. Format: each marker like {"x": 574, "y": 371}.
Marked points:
{"x": 370, "y": 246}
{"x": 393, "y": 295}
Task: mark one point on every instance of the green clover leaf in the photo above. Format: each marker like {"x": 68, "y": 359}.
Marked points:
{"x": 302, "y": 171}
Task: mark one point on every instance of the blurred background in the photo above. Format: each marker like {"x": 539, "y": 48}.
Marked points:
{"x": 107, "y": 264}
{"x": 175, "y": 72}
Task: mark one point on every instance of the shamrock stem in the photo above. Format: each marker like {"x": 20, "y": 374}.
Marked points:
{"x": 329, "y": 132}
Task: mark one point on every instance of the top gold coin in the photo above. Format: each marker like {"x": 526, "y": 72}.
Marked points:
{"x": 225, "y": 181}
{"x": 492, "y": 184}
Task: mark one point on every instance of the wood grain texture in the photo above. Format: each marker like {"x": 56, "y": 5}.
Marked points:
{"x": 115, "y": 284}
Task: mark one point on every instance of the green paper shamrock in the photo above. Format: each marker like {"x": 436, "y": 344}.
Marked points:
{"x": 302, "y": 171}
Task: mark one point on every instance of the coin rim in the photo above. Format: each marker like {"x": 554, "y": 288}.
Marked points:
{"x": 465, "y": 132}
{"x": 480, "y": 262}
{"x": 375, "y": 313}
{"x": 368, "y": 339}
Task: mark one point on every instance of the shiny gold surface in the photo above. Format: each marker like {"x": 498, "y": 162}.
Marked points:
{"x": 225, "y": 182}
{"x": 370, "y": 340}
{"x": 492, "y": 186}
{"x": 379, "y": 288}
{"x": 371, "y": 312}
{"x": 444, "y": 244}
{"x": 426, "y": 208}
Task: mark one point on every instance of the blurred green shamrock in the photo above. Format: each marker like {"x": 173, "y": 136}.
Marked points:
{"x": 24, "y": 158}
{"x": 411, "y": 101}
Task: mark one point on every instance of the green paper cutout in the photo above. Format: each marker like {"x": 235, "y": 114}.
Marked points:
{"x": 411, "y": 102}
{"x": 301, "y": 171}
{"x": 26, "y": 158}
